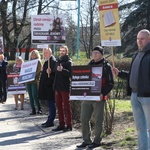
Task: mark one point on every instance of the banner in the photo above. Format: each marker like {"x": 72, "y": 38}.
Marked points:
{"x": 46, "y": 29}
{"x": 28, "y": 71}
{"x": 12, "y": 82}
{"x": 109, "y": 23}
{"x": 86, "y": 83}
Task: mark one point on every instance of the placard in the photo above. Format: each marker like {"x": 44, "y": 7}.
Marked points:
{"x": 86, "y": 83}
{"x": 28, "y": 71}
{"x": 13, "y": 87}
{"x": 109, "y": 23}
{"x": 47, "y": 29}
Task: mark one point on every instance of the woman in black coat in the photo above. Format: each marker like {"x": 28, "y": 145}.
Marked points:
{"x": 46, "y": 91}
{"x": 3, "y": 78}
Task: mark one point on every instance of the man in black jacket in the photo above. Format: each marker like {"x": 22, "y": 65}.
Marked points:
{"x": 62, "y": 85}
{"x": 138, "y": 79}
{"x": 3, "y": 78}
{"x": 46, "y": 91}
{"x": 96, "y": 107}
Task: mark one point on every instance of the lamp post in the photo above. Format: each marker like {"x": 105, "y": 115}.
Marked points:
{"x": 78, "y": 32}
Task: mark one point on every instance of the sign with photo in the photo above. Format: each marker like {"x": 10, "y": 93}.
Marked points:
{"x": 12, "y": 81}
{"x": 28, "y": 71}
{"x": 86, "y": 83}
{"x": 48, "y": 29}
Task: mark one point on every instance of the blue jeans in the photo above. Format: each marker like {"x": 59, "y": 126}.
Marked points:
{"x": 52, "y": 111}
{"x": 141, "y": 114}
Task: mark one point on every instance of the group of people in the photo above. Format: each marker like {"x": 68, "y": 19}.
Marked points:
{"x": 51, "y": 84}
{"x": 55, "y": 82}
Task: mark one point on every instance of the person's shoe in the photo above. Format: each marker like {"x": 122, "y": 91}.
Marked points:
{"x": 59, "y": 128}
{"x": 22, "y": 108}
{"x": 83, "y": 145}
{"x": 39, "y": 112}
{"x": 33, "y": 112}
{"x": 48, "y": 125}
{"x": 43, "y": 123}
{"x": 68, "y": 128}
{"x": 93, "y": 145}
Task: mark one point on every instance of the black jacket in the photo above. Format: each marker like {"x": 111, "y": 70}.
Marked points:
{"x": 143, "y": 75}
{"x": 107, "y": 77}
{"x": 62, "y": 80}
{"x": 3, "y": 70}
{"x": 46, "y": 91}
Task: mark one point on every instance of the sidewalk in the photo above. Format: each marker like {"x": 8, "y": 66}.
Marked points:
{"x": 20, "y": 131}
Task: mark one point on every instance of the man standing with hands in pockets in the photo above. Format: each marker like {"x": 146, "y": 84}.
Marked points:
{"x": 62, "y": 85}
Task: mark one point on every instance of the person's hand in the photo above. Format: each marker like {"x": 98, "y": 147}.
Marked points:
{"x": 101, "y": 98}
{"x": 59, "y": 68}
{"x": 48, "y": 70}
{"x": 115, "y": 71}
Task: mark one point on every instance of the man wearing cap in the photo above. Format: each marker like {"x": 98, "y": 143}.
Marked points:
{"x": 96, "y": 107}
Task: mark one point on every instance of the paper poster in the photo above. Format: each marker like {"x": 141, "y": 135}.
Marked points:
{"x": 109, "y": 23}
{"x": 12, "y": 81}
{"x": 86, "y": 83}
{"x": 28, "y": 71}
{"x": 46, "y": 29}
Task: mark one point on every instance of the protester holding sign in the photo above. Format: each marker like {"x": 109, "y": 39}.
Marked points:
{"x": 46, "y": 91}
{"x": 96, "y": 107}
{"x": 3, "y": 78}
{"x": 32, "y": 86}
{"x": 16, "y": 68}
{"x": 62, "y": 85}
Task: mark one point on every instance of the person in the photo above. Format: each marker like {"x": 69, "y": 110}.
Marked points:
{"x": 32, "y": 87}
{"x": 3, "y": 78}
{"x": 46, "y": 91}
{"x": 16, "y": 68}
{"x": 62, "y": 83}
{"x": 138, "y": 86}
{"x": 96, "y": 107}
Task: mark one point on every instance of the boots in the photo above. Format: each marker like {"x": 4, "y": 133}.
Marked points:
{"x": 33, "y": 112}
{"x": 39, "y": 111}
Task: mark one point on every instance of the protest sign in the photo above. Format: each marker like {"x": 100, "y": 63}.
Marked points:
{"x": 86, "y": 83}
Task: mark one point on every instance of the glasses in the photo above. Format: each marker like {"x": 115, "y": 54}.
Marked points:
{"x": 95, "y": 53}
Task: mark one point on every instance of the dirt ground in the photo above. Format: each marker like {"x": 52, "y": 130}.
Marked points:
{"x": 123, "y": 135}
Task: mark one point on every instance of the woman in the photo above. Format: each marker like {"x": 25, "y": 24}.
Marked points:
{"x": 3, "y": 78}
{"x": 16, "y": 68}
{"x": 32, "y": 86}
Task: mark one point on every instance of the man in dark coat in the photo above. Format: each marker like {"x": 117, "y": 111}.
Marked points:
{"x": 3, "y": 78}
{"x": 62, "y": 84}
{"x": 46, "y": 91}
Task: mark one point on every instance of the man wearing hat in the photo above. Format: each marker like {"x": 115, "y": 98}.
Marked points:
{"x": 96, "y": 107}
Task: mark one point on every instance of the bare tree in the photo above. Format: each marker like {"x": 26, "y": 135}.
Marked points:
{"x": 89, "y": 26}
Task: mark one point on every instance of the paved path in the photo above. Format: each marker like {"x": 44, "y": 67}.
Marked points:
{"x": 20, "y": 131}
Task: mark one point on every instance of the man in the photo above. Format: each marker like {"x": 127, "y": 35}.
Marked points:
{"x": 139, "y": 88}
{"x": 96, "y": 107}
{"x": 3, "y": 78}
{"x": 46, "y": 91}
{"x": 62, "y": 85}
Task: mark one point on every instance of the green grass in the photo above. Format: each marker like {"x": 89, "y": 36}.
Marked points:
{"x": 123, "y": 106}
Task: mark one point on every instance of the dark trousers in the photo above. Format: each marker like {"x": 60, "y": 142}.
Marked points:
{"x": 3, "y": 91}
{"x": 52, "y": 111}
{"x": 63, "y": 108}
{"x": 33, "y": 92}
